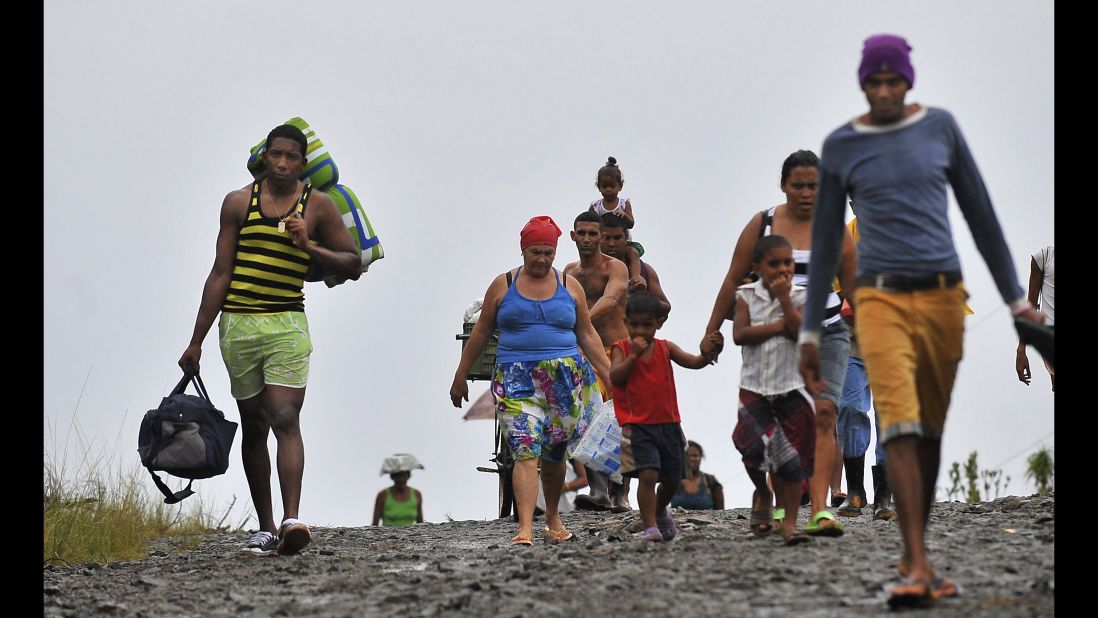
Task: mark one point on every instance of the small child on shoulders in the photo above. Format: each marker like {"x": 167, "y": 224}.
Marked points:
{"x": 609, "y": 181}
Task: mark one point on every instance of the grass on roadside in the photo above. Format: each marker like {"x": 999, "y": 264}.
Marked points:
{"x": 99, "y": 510}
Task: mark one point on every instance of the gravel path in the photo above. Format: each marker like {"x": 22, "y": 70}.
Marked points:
{"x": 1000, "y": 552}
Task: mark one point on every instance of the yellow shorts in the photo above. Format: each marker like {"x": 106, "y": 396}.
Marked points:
{"x": 912, "y": 343}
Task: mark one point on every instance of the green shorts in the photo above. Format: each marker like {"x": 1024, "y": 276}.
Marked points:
{"x": 262, "y": 349}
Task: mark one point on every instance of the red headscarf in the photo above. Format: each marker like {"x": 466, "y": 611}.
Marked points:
{"x": 539, "y": 230}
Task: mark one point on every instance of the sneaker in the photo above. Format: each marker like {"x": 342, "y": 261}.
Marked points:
{"x": 293, "y": 536}
{"x": 652, "y": 534}
{"x": 261, "y": 543}
{"x": 666, "y": 525}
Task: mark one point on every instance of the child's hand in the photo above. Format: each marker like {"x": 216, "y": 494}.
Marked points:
{"x": 637, "y": 283}
{"x": 781, "y": 286}
{"x": 640, "y": 344}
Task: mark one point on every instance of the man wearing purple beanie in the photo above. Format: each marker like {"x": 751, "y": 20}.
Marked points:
{"x": 897, "y": 160}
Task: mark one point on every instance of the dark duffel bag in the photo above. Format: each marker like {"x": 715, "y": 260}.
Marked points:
{"x": 186, "y": 437}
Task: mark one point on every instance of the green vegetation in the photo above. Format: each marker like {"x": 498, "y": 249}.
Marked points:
{"x": 100, "y": 510}
{"x": 974, "y": 479}
{"x": 1040, "y": 470}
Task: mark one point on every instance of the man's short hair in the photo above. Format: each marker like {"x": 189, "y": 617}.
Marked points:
{"x": 587, "y": 216}
{"x": 611, "y": 220}
{"x": 289, "y": 131}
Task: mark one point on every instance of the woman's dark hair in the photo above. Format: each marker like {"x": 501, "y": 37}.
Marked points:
{"x": 801, "y": 158}
{"x": 766, "y": 243}
{"x": 643, "y": 303}
{"x": 612, "y": 170}
{"x": 701, "y": 451}
{"x": 289, "y": 131}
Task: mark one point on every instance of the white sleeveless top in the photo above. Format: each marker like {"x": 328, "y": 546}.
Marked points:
{"x": 800, "y": 273}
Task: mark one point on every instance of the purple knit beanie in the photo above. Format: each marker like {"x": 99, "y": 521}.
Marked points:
{"x": 886, "y": 52}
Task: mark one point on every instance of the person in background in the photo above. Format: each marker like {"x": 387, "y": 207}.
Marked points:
{"x": 401, "y": 504}
{"x": 699, "y": 490}
{"x": 1042, "y": 294}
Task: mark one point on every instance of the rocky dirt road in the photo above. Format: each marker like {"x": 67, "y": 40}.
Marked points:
{"x": 1000, "y": 552}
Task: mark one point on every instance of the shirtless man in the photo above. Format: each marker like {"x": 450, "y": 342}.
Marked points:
{"x": 614, "y": 243}
{"x": 605, "y": 281}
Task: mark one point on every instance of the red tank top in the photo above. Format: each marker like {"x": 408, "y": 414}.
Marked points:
{"x": 649, "y": 395}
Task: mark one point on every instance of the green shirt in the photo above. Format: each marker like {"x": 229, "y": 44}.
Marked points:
{"x": 396, "y": 513}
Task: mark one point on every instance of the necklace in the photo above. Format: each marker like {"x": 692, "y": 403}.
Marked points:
{"x": 282, "y": 218}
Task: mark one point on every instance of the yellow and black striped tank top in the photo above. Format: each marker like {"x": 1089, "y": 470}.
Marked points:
{"x": 269, "y": 272}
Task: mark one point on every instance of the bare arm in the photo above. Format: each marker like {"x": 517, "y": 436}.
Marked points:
{"x": 334, "y": 251}
{"x": 633, "y": 259}
{"x": 726, "y": 296}
{"x": 379, "y": 507}
{"x": 1021, "y": 361}
{"x": 718, "y": 499}
{"x": 743, "y": 333}
{"x": 475, "y": 344}
{"x": 419, "y": 507}
{"x": 586, "y": 336}
{"x": 628, "y": 214}
{"x": 655, "y": 287}
{"x": 580, "y": 481}
{"x": 621, "y": 364}
{"x": 617, "y": 286}
{"x": 233, "y": 209}
{"x": 685, "y": 359}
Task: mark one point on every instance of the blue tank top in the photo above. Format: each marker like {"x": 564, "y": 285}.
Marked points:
{"x": 533, "y": 330}
{"x": 700, "y": 501}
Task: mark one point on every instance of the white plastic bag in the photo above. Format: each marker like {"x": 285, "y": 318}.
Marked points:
{"x": 600, "y": 446}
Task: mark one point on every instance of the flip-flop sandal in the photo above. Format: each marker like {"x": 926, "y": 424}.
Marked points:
{"x": 779, "y": 515}
{"x": 521, "y": 540}
{"x": 831, "y": 527}
{"x": 761, "y": 522}
{"x": 945, "y": 588}
{"x": 557, "y": 536}
{"x": 911, "y": 593}
{"x": 796, "y": 538}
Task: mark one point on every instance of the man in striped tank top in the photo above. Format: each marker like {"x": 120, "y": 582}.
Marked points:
{"x": 271, "y": 232}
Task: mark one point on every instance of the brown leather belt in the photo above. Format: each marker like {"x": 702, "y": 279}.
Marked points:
{"x": 900, "y": 283}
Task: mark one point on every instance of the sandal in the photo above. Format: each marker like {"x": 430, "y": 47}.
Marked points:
{"x": 837, "y": 498}
{"x": 557, "y": 536}
{"x": 911, "y": 593}
{"x": 824, "y": 524}
{"x": 944, "y": 588}
{"x": 761, "y": 522}
{"x": 779, "y": 515}
{"x": 520, "y": 539}
{"x": 796, "y": 538}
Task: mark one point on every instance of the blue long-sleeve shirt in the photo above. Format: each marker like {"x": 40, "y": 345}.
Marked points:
{"x": 897, "y": 176}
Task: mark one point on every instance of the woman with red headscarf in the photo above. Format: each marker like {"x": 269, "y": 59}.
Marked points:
{"x": 545, "y": 389}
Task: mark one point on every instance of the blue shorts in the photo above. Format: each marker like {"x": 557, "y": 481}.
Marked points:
{"x": 834, "y": 350}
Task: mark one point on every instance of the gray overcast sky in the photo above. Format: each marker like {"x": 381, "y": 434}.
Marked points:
{"x": 455, "y": 123}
